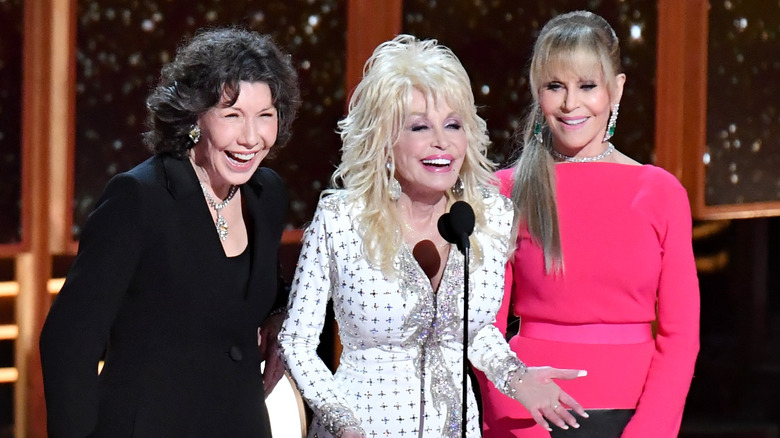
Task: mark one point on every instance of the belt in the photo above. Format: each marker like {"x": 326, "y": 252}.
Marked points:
{"x": 632, "y": 333}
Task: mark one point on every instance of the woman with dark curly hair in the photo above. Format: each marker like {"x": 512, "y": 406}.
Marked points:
{"x": 176, "y": 280}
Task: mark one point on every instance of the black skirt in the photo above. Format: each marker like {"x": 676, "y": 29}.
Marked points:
{"x": 602, "y": 423}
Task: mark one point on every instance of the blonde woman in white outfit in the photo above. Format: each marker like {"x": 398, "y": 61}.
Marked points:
{"x": 412, "y": 145}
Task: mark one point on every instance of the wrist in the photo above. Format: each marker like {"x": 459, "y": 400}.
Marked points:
{"x": 278, "y": 311}
{"x": 516, "y": 379}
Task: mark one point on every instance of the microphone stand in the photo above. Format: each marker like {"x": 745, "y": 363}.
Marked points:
{"x": 456, "y": 227}
{"x": 466, "y": 252}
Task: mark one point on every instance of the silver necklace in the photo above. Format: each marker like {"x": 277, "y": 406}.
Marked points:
{"x": 570, "y": 159}
{"x": 222, "y": 226}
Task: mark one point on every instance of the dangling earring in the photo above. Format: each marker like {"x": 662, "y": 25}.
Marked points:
{"x": 194, "y": 134}
{"x": 538, "y": 125}
{"x": 612, "y": 123}
{"x": 538, "y": 133}
{"x": 457, "y": 188}
{"x": 393, "y": 186}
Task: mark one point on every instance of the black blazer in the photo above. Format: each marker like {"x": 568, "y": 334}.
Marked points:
{"x": 149, "y": 289}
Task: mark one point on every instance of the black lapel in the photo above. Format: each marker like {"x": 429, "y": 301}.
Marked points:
{"x": 181, "y": 180}
{"x": 252, "y": 192}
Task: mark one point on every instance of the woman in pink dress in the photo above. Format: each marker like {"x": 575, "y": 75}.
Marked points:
{"x": 603, "y": 275}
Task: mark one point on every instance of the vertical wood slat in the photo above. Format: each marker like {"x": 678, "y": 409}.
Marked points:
{"x": 63, "y": 127}
{"x": 681, "y": 106}
{"x": 47, "y": 133}
{"x": 369, "y": 23}
{"x": 695, "y": 118}
{"x": 681, "y": 88}
{"x": 32, "y": 267}
{"x": 670, "y": 87}
{"x": 681, "y": 92}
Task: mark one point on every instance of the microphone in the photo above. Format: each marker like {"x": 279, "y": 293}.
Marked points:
{"x": 457, "y": 225}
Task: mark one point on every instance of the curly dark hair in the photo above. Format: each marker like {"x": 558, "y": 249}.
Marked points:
{"x": 209, "y": 65}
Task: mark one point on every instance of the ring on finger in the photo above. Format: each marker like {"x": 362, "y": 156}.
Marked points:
{"x": 555, "y": 406}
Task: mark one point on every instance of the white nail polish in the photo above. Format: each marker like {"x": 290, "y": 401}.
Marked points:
{"x": 582, "y": 373}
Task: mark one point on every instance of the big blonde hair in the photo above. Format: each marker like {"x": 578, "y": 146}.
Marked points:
{"x": 377, "y": 111}
{"x": 578, "y": 41}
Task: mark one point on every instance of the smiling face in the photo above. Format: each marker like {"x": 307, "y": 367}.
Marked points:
{"x": 430, "y": 150}
{"x": 576, "y": 106}
{"x": 236, "y": 138}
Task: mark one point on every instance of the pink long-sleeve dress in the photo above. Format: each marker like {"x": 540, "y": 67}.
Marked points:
{"x": 626, "y": 308}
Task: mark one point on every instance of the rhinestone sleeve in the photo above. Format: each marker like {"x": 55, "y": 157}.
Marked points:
{"x": 338, "y": 419}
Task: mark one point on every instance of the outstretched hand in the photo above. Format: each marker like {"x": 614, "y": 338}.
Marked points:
{"x": 544, "y": 399}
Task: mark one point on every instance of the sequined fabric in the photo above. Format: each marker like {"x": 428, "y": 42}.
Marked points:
{"x": 400, "y": 371}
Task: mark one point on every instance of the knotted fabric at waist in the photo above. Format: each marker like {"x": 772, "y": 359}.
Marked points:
{"x": 632, "y": 333}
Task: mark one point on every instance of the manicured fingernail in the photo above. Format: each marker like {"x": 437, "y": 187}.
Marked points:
{"x": 565, "y": 427}
{"x": 582, "y": 373}
{"x": 585, "y": 415}
{"x": 576, "y": 425}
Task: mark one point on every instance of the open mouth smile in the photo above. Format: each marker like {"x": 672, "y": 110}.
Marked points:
{"x": 574, "y": 122}
{"x": 240, "y": 158}
{"x": 437, "y": 162}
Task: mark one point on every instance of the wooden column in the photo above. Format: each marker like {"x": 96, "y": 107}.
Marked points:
{"x": 47, "y": 133}
{"x": 681, "y": 91}
{"x": 669, "y": 90}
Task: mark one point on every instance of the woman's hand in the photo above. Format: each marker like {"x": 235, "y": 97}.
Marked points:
{"x": 543, "y": 398}
{"x": 268, "y": 343}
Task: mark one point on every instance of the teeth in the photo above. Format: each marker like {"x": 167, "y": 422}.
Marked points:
{"x": 246, "y": 157}
{"x": 574, "y": 122}
{"x": 239, "y": 157}
{"x": 437, "y": 162}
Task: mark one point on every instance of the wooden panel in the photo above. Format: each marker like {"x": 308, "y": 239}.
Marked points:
{"x": 670, "y": 87}
{"x": 681, "y": 116}
{"x": 681, "y": 92}
{"x": 367, "y": 27}
{"x": 47, "y": 127}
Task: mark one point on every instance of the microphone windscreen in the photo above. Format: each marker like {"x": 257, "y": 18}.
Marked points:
{"x": 445, "y": 228}
{"x": 461, "y": 218}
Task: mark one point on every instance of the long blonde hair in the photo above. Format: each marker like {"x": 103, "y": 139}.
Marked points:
{"x": 377, "y": 111}
{"x": 579, "y": 41}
